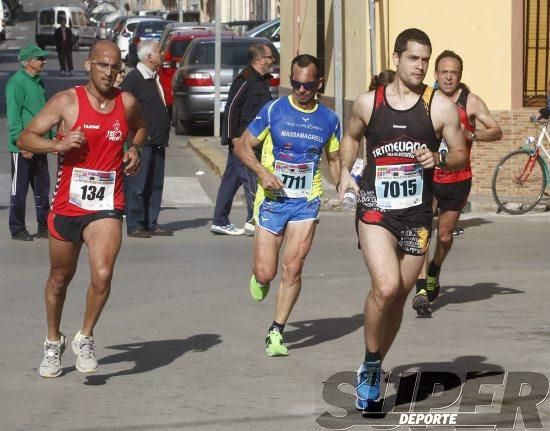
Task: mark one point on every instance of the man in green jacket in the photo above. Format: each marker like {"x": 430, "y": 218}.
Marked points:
{"x": 25, "y": 97}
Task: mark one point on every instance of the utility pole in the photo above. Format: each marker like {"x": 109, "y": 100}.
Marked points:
{"x": 338, "y": 81}
{"x": 217, "y": 62}
{"x": 180, "y": 9}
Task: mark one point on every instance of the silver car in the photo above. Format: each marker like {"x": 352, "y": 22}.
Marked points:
{"x": 193, "y": 83}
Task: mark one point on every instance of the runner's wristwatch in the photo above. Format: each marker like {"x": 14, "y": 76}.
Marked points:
{"x": 442, "y": 159}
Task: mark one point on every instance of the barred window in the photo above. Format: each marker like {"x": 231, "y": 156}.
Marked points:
{"x": 536, "y": 52}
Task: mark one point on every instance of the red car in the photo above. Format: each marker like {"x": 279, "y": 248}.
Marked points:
{"x": 174, "y": 47}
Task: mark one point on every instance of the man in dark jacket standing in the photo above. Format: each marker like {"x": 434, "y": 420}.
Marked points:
{"x": 143, "y": 191}
{"x": 63, "y": 44}
{"x": 248, "y": 93}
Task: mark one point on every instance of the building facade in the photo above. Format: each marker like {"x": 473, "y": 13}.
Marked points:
{"x": 504, "y": 45}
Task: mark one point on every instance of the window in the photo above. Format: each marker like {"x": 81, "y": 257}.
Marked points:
{"x": 232, "y": 54}
{"x": 46, "y": 17}
{"x": 61, "y": 15}
{"x": 536, "y": 52}
{"x": 178, "y": 47}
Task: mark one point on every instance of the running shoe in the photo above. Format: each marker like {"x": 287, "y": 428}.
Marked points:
{"x": 83, "y": 348}
{"x": 250, "y": 227}
{"x": 368, "y": 385}
{"x": 421, "y": 304}
{"x": 228, "y": 229}
{"x": 51, "y": 364}
{"x": 432, "y": 287}
{"x": 274, "y": 344}
{"x": 258, "y": 290}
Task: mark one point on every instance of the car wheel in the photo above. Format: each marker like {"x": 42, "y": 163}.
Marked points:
{"x": 181, "y": 127}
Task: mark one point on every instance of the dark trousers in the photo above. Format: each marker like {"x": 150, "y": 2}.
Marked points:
{"x": 143, "y": 191}
{"x": 235, "y": 175}
{"x": 65, "y": 55}
{"x": 24, "y": 172}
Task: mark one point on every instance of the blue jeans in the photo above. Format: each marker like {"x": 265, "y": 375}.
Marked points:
{"x": 24, "y": 172}
{"x": 143, "y": 191}
{"x": 235, "y": 175}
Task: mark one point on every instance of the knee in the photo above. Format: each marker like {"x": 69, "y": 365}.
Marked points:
{"x": 292, "y": 269}
{"x": 59, "y": 280}
{"x": 264, "y": 273}
{"x": 386, "y": 293}
{"x": 101, "y": 278}
{"x": 445, "y": 236}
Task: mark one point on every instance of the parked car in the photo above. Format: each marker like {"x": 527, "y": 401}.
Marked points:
{"x": 48, "y": 19}
{"x": 193, "y": 82}
{"x": 174, "y": 46}
{"x": 188, "y": 16}
{"x": 241, "y": 27}
{"x": 177, "y": 26}
{"x": 149, "y": 29}
{"x": 270, "y": 30}
{"x": 126, "y": 32}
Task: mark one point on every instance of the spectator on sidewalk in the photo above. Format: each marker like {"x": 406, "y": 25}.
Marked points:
{"x": 25, "y": 97}
{"x": 63, "y": 44}
{"x": 248, "y": 93}
{"x": 144, "y": 190}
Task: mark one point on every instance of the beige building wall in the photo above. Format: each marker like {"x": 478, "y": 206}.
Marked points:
{"x": 479, "y": 31}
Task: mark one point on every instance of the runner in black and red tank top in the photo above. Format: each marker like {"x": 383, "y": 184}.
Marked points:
{"x": 451, "y": 189}
{"x": 93, "y": 122}
{"x": 403, "y": 128}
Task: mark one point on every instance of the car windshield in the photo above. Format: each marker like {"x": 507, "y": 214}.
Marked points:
{"x": 178, "y": 47}
{"x": 150, "y": 27}
{"x": 232, "y": 53}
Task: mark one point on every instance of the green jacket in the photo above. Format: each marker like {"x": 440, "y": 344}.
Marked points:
{"x": 25, "y": 97}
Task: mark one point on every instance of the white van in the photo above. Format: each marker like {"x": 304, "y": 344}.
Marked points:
{"x": 48, "y": 19}
{"x": 2, "y": 24}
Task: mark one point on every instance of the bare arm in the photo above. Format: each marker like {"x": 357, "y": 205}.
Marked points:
{"x": 53, "y": 113}
{"x": 360, "y": 115}
{"x": 333, "y": 160}
{"x": 243, "y": 150}
{"x": 477, "y": 108}
{"x": 446, "y": 123}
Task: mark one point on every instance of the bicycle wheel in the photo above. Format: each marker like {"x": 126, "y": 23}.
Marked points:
{"x": 518, "y": 182}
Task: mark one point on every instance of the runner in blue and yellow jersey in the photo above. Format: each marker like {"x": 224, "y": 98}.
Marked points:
{"x": 294, "y": 131}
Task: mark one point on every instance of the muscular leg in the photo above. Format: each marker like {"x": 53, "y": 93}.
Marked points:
{"x": 266, "y": 255}
{"x": 298, "y": 240}
{"x": 63, "y": 261}
{"x": 447, "y": 223}
{"x": 103, "y": 238}
{"x": 392, "y": 276}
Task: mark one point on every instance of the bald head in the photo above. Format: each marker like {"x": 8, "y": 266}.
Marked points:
{"x": 102, "y": 48}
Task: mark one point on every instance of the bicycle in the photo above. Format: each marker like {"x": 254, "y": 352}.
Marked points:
{"x": 521, "y": 177}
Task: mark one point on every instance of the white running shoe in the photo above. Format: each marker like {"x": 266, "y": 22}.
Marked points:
{"x": 83, "y": 348}
{"x": 228, "y": 229}
{"x": 250, "y": 227}
{"x": 51, "y": 364}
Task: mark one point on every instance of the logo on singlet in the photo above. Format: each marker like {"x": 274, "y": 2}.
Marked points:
{"x": 115, "y": 134}
{"x": 91, "y": 126}
{"x": 399, "y": 126}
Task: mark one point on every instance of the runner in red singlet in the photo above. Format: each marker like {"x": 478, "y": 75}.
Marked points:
{"x": 403, "y": 124}
{"x": 451, "y": 189}
{"x": 93, "y": 122}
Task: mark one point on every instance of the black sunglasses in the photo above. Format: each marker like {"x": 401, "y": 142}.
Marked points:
{"x": 308, "y": 86}
{"x": 39, "y": 58}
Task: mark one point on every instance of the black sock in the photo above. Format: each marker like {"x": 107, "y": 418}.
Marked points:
{"x": 277, "y": 327}
{"x": 372, "y": 357}
{"x": 433, "y": 269}
{"x": 420, "y": 284}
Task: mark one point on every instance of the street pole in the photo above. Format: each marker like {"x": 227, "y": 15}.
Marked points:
{"x": 372, "y": 27}
{"x": 180, "y": 9}
{"x": 338, "y": 82}
{"x": 217, "y": 62}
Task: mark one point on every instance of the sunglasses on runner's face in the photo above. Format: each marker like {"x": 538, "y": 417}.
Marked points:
{"x": 103, "y": 66}
{"x": 308, "y": 86}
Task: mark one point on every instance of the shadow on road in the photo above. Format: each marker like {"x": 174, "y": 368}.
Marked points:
{"x": 186, "y": 224}
{"x": 150, "y": 355}
{"x": 473, "y": 293}
{"x": 309, "y": 333}
{"x": 473, "y": 222}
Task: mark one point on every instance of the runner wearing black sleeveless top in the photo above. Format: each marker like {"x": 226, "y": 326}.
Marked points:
{"x": 394, "y": 214}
